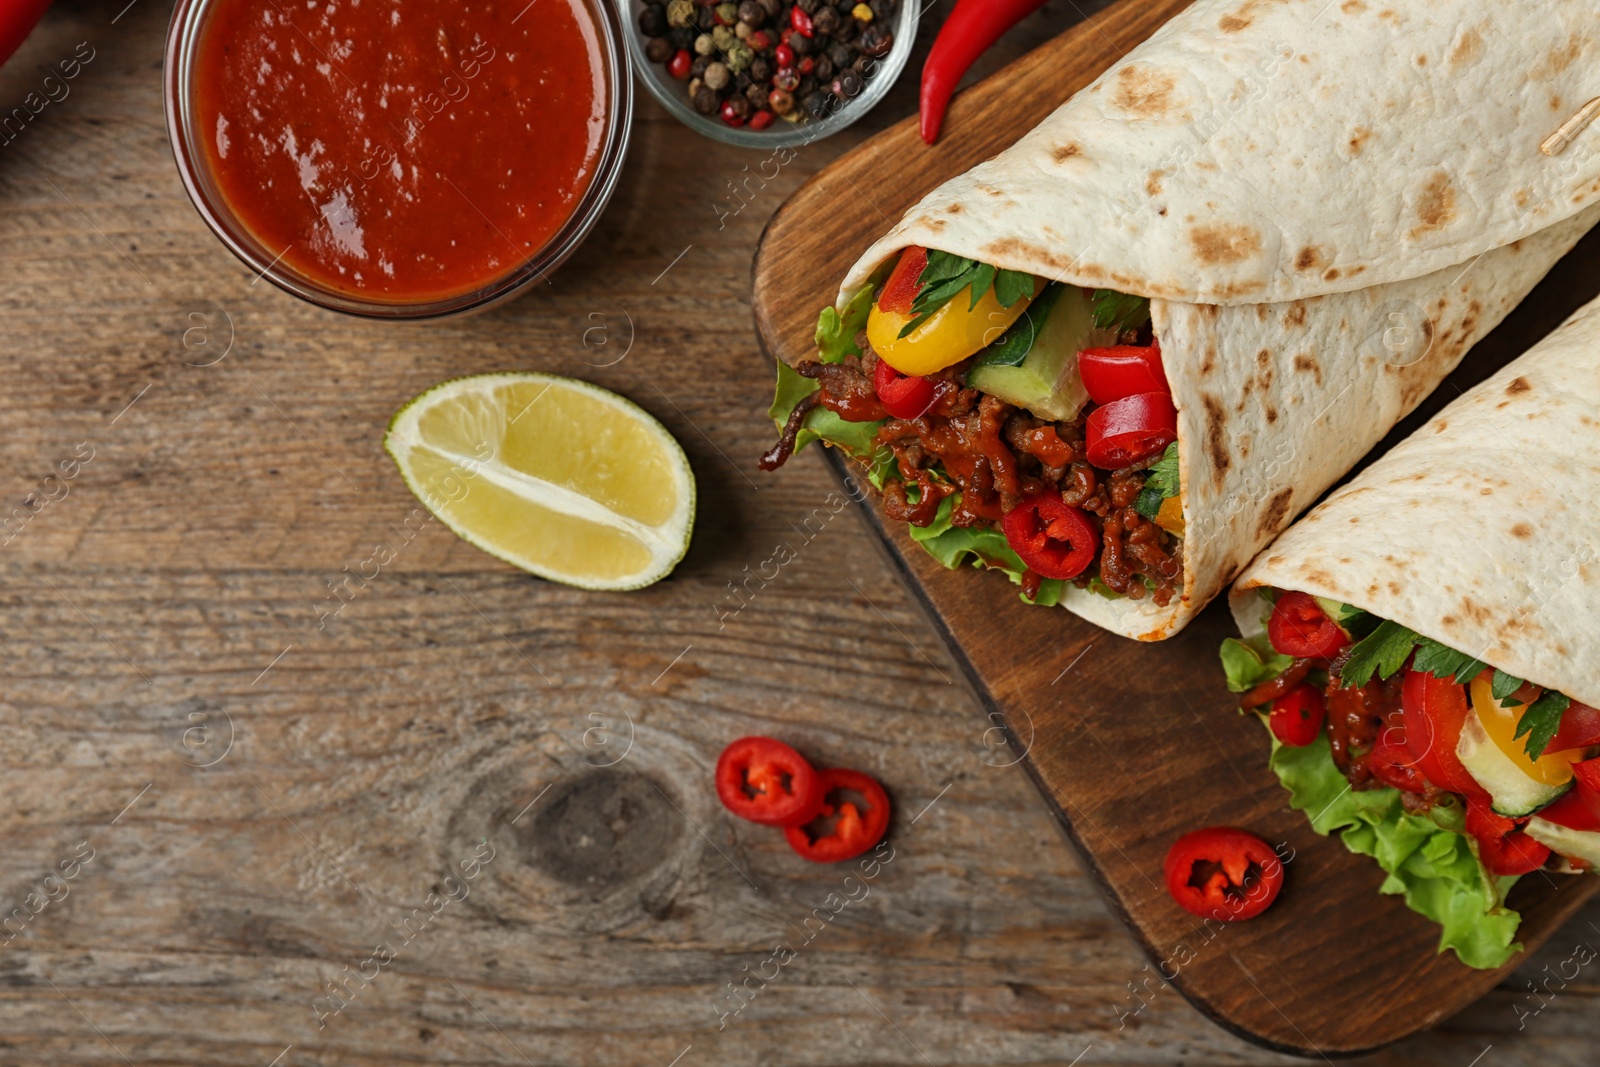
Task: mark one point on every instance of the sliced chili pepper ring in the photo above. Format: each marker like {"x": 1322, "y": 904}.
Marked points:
{"x": 1131, "y": 430}
{"x": 1223, "y": 873}
{"x": 852, "y": 832}
{"x": 1110, "y": 374}
{"x": 1053, "y": 538}
{"x": 767, "y": 782}
{"x": 905, "y": 396}
{"x": 1299, "y": 627}
{"x": 1296, "y": 717}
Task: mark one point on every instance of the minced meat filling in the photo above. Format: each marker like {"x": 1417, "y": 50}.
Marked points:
{"x": 997, "y": 455}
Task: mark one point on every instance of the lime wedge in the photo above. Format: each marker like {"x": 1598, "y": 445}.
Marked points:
{"x": 558, "y": 477}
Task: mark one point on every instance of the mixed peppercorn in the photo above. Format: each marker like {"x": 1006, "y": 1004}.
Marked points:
{"x": 759, "y": 60}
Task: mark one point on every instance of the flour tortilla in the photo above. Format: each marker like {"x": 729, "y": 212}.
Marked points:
{"x": 1293, "y": 182}
{"x": 1480, "y": 529}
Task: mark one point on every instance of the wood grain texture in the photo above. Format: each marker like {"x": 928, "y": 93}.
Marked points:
{"x": 169, "y": 603}
{"x": 1112, "y": 730}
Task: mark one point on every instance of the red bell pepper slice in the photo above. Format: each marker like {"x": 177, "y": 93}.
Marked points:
{"x": 905, "y": 396}
{"x": 1580, "y": 728}
{"x": 1223, "y": 873}
{"x": 900, "y": 291}
{"x": 1571, "y": 811}
{"x": 767, "y": 782}
{"x": 1300, "y": 628}
{"x": 1122, "y": 371}
{"x": 1296, "y": 717}
{"x": 852, "y": 832}
{"x": 1586, "y": 785}
{"x": 1053, "y": 538}
{"x": 1434, "y": 710}
{"x": 1131, "y": 430}
{"x": 1392, "y": 763}
{"x": 1502, "y": 847}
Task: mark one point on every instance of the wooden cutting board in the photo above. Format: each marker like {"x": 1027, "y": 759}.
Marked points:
{"x": 1132, "y": 745}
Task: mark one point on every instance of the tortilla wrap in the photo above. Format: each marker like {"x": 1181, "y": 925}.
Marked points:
{"x": 1478, "y": 530}
{"x": 1328, "y": 203}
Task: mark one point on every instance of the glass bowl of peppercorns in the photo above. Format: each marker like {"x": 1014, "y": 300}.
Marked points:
{"x": 770, "y": 73}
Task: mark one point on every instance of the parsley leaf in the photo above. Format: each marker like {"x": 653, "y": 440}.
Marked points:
{"x": 1381, "y": 652}
{"x": 1442, "y": 661}
{"x": 1541, "y": 721}
{"x": 1159, "y": 484}
{"x": 982, "y": 278}
{"x": 1503, "y": 686}
{"x": 1119, "y": 311}
{"x": 1011, "y": 286}
{"x": 946, "y": 275}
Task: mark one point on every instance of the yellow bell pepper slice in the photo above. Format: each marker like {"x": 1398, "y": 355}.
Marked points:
{"x": 946, "y": 337}
{"x": 1552, "y": 768}
{"x": 1170, "y": 517}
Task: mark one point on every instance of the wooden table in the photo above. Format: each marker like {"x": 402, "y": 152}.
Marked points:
{"x": 249, "y": 801}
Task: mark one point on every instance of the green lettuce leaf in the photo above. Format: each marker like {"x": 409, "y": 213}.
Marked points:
{"x": 1251, "y": 661}
{"x": 1436, "y": 869}
{"x": 858, "y": 439}
{"x": 836, "y": 332}
{"x": 953, "y": 546}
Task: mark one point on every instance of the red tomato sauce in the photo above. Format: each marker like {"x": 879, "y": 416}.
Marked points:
{"x": 402, "y": 152}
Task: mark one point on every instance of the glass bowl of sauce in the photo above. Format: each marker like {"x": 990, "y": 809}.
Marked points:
{"x": 399, "y": 160}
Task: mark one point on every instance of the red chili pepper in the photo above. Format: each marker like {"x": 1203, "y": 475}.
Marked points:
{"x": 17, "y": 21}
{"x": 1296, "y": 717}
{"x": 766, "y": 781}
{"x": 972, "y": 27}
{"x": 1300, "y": 628}
{"x": 1121, "y": 371}
{"x": 900, "y": 291}
{"x": 1124, "y": 432}
{"x": 678, "y": 66}
{"x": 852, "y": 832}
{"x": 1053, "y": 538}
{"x": 800, "y": 21}
{"x": 904, "y": 396}
{"x": 761, "y": 119}
{"x": 1502, "y": 847}
{"x": 1434, "y": 710}
{"x": 1222, "y": 873}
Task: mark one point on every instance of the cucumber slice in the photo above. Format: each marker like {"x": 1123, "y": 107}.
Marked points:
{"x": 1512, "y": 791}
{"x": 1565, "y": 841}
{"x": 1034, "y": 364}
